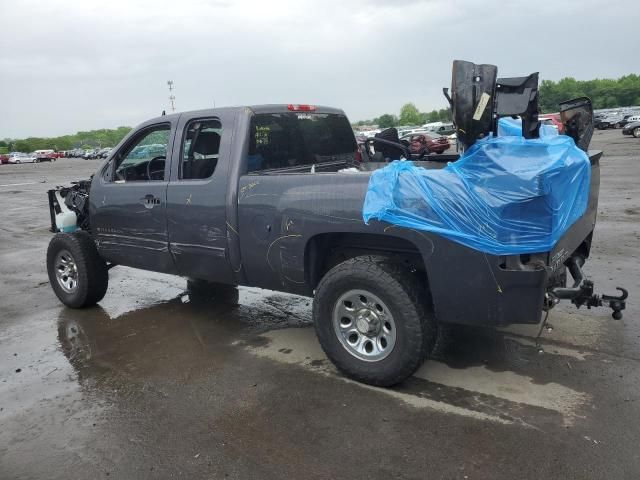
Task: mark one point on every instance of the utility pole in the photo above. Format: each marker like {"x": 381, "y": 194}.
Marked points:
{"x": 171, "y": 96}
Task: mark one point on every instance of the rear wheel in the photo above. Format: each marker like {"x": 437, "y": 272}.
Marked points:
{"x": 636, "y": 132}
{"x": 78, "y": 275}
{"x": 373, "y": 321}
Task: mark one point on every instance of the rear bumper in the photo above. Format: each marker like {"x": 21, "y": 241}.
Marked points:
{"x": 486, "y": 290}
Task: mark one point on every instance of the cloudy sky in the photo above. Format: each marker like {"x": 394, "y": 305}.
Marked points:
{"x": 84, "y": 64}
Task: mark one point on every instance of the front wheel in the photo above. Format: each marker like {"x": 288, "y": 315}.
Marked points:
{"x": 636, "y": 132}
{"x": 373, "y": 320}
{"x": 78, "y": 275}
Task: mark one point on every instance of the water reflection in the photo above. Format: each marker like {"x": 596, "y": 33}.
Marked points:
{"x": 187, "y": 327}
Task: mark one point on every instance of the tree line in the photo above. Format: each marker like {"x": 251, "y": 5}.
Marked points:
{"x": 409, "y": 115}
{"x": 603, "y": 92}
{"x": 92, "y": 139}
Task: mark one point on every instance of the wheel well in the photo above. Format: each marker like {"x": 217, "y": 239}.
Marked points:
{"x": 327, "y": 250}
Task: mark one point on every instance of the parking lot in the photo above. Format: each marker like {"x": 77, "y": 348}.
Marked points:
{"x": 151, "y": 385}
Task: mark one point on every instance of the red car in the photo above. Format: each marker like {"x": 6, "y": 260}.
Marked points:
{"x": 552, "y": 119}
{"x": 424, "y": 143}
{"x": 4, "y": 159}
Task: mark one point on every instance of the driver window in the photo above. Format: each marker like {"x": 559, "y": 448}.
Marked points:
{"x": 144, "y": 160}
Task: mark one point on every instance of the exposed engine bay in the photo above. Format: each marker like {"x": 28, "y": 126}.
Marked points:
{"x": 76, "y": 199}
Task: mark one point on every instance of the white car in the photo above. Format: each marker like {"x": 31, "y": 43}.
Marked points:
{"x": 21, "y": 158}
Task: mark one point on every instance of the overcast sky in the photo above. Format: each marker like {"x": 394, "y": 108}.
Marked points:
{"x": 79, "y": 65}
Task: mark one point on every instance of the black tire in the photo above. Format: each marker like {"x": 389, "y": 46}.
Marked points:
{"x": 636, "y": 132}
{"x": 404, "y": 296}
{"x": 203, "y": 291}
{"x": 91, "y": 270}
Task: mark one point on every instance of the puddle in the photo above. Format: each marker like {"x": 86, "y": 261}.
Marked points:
{"x": 472, "y": 391}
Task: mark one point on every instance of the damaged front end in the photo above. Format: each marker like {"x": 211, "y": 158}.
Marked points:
{"x": 64, "y": 202}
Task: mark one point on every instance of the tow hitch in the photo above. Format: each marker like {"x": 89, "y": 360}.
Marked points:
{"x": 581, "y": 293}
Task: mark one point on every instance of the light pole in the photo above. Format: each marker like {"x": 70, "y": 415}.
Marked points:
{"x": 171, "y": 96}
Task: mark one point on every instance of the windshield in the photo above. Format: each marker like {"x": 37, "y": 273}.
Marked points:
{"x": 280, "y": 140}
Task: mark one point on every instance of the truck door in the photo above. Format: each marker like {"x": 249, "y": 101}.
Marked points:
{"x": 196, "y": 197}
{"x": 128, "y": 201}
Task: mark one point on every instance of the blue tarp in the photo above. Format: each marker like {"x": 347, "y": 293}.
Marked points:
{"x": 506, "y": 195}
{"x": 513, "y": 127}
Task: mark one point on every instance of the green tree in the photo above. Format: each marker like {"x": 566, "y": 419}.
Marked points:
{"x": 604, "y": 92}
{"x": 23, "y": 146}
{"x": 409, "y": 115}
{"x": 432, "y": 116}
{"x": 90, "y": 139}
{"x": 444, "y": 115}
{"x": 387, "y": 120}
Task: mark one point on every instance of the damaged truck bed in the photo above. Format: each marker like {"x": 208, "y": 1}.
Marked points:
{"x": 272, "y": 196}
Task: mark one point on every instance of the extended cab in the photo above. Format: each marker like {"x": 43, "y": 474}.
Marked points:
{"x": 271, "y": 196}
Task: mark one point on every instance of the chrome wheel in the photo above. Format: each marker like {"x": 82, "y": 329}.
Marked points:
{"x": 66, "y": 271}
{"x": 364, "y": 325}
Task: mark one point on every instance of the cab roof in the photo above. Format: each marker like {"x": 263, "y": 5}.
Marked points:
{"x": 255, "y": 109}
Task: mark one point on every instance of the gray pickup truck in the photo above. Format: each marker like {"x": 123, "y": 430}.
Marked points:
{"x": 271, "y": 196}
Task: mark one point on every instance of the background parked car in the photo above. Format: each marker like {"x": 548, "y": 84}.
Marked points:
{"x": 19, "y": 157}
{"x": 77, "y": 153}
{"x": 441, "y": 128}
{"x": 629, "y": 119}
{"x": 90, "y": 154}
{"x": 552, "y": 119}
{"x": 45, "y": 155}
{"x": 104, "y": 152}
{"x": 612, "y": 121}
{"x": 632, "y": 128}
{"x": 426, "y": 142}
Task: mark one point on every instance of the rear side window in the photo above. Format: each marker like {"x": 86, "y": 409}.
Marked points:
{"x": 200, "y": 149}
{"x": 282, "y": 140}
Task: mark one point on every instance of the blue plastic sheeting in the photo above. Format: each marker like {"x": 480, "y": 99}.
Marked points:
{"x": 506, "y": 195}
{"x": 513, "y": 127}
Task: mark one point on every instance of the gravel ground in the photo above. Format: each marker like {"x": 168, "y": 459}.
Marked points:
{"x": 152, "y": 385}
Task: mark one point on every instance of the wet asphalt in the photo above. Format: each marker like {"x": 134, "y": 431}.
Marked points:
{"x": 153, "y": 384}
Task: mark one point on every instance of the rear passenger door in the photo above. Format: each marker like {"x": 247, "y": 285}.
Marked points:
{"x": 196, "y": 197}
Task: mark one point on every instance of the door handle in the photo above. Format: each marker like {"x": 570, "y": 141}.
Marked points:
{"x": 149, "y": 201}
